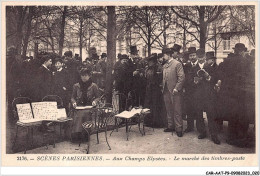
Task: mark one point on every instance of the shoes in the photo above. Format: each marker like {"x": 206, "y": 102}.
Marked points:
{"x": 168, "y": 130}
{"x": 202, "y": 136}
{"x": 187, "y": 130}
{"x": 179, "y": 134}
{"x": 215, "y": 140}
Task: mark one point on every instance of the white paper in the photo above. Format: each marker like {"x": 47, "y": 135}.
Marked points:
{"x": 83, "y": 107}
{"x": 24, "y": 111}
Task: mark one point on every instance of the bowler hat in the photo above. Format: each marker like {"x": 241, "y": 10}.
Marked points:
{"x": 240, "y": 47}
{"x": 167, "y": 51}
{"x": 133, "y": 49}
{"x": 176, "y": 48}
{"x": 191, "y": 50}
{"x": 68, "y": 53}
{"x": 124, "y": 56}
{"x": 95, "y": 56}
{"x": 210, "y": 54}
{"x": 103, "y": 55}
{"x": 200, "y": 52}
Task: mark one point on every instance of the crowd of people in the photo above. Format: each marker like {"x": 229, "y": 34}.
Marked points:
{"x": 174, "y": 86}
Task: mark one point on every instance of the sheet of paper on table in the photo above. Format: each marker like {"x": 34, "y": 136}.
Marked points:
{"x": 83, "y": 107}
{"x": 126, "y": 114}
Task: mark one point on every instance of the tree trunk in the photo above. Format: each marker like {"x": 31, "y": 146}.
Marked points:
{"x": 80, "y": 39}
{"x": 184, "y": 40}
{"x": 203, "y": 27}
{"x": 28, "y": 32}
{"x": 62, "y": 27}
{"x": 111, "y": 50}
{"x": 19, "y": 28}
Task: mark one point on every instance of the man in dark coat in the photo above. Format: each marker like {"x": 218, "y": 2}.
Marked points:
{"x": 204, "y": 97}
{"x": 124, "y": 76}
{"x": 189, "y": 89}
{"x": 45, "y": 78}
{"x": 234, "y": 74}
{"x": 138, "y": 66}
{"x": 61, "y": 83}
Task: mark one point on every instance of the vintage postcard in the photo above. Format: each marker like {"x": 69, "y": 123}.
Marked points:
{"x": 130, "y": 84}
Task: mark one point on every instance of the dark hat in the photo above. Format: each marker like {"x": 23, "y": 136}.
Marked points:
{"x": 58, "y": 60}
{"x": 76, "y": 55}
{"x": 176, "y": 48}
{"x": 133, "y": 49}
{"x": 160, "y": 55}
{"x": 103, "y": 55}
{"x": 210, "y": 54}
{"x": 95, "y": 56}
{"x": 119, "y": 55}
{"x": 167, "y": 51}
{"x": 153, "y": 57}
{"x": 124, "y": 56}
{"x": 68, "y": 53}
{"x": 200, "y": 52}
{"x": 240, "y": 47}
{"x": 191, "y": 50}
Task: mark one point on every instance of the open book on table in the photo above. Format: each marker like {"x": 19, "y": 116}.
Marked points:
{"x": 40, "y": 111}
{"x": 132, "y": 113}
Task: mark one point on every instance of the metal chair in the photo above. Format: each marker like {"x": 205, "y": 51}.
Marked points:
{"x": 29, "y": 127}
{"x": 104, "y": 117}
{"x": 60, "y": 104}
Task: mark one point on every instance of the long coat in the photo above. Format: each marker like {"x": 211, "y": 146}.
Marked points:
{"x": 153, "y": 96}
{"x": 45, "y": 82}
{"x": 173, "y": 75}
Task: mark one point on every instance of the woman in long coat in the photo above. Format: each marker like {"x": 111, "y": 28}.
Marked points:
{"x": 153, "y": 96}
{"x": 84, "y": 93}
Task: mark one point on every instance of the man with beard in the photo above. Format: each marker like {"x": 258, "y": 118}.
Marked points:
{"x": 173, "y": 80}
{"x": 138, "y": 66}
{"x": 204, "y": 94}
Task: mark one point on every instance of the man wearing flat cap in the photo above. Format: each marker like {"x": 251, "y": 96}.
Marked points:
{"x": 173, "y": 80}
{"x": 233, "y": 93}
{"x": 203, "y": 96}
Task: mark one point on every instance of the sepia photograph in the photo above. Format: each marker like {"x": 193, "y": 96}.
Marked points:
{"x": 95, "y": 80}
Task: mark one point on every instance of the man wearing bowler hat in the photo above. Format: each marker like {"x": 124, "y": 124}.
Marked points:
{"x": 204, "y": 82}
{"x": 173, "y": 80}
{"x": 176, "y": 51}
{"x": 234, "y": 73}
{"x": 138, "y": 66}
{"x": 189, "y": 88}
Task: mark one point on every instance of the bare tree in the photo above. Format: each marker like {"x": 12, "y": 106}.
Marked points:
{"x": 200, "y": 17}
{"x": 243, "y": 21}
